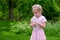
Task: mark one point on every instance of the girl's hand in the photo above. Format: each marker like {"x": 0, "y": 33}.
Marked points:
{"x": 32, "y": 24}
{"x": 36, "y": 23}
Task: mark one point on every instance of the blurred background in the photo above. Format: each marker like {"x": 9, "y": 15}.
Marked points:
{"x": 15, "y": 17}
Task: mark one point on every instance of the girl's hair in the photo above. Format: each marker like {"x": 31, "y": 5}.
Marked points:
{"x": 38, "y": 7}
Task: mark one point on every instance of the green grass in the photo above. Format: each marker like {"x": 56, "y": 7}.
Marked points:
{"x": 12, "y": 36}
{"x": 16, "y": 30}
{"x": 23, "y": 36}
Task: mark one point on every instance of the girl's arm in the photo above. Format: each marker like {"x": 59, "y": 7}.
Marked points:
{"x": 42, "y": 24}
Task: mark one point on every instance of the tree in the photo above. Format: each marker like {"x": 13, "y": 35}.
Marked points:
{"x": 10, "y": 10}
{"x": 18, "y": 9}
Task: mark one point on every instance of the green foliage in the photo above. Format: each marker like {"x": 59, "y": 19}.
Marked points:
{"x": 16, "y": 30}
{"x": 4, "y": 9}
{"x": 23, "y": 8}
{"x": 19, "y": 27}
{"x": 52, "y": 29}
{"x": 15, "y": 27}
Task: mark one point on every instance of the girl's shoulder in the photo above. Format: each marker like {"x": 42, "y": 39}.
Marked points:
{"x": 43, "y": 17}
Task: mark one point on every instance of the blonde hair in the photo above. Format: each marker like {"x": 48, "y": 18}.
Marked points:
{"x": 38, "y": 7}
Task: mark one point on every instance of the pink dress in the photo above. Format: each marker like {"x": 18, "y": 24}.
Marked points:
{"x": 38, "y": 32}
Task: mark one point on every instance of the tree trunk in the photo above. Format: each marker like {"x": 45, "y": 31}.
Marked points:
{"x": 10, "y": 10}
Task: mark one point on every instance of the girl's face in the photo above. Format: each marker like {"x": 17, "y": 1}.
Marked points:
{"x": 36, "y": 12}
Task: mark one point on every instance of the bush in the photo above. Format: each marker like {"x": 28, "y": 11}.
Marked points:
{"x": 23, "y": 8}
{"x": 52, "y": 29}
{"x": 20, "y": 27}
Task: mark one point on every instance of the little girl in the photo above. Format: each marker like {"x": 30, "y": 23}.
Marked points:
{"x": 38, "y": 22}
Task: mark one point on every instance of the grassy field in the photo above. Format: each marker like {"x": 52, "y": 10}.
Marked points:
{"x": 16, "y": 30}
{"x": 23, "y": 36}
